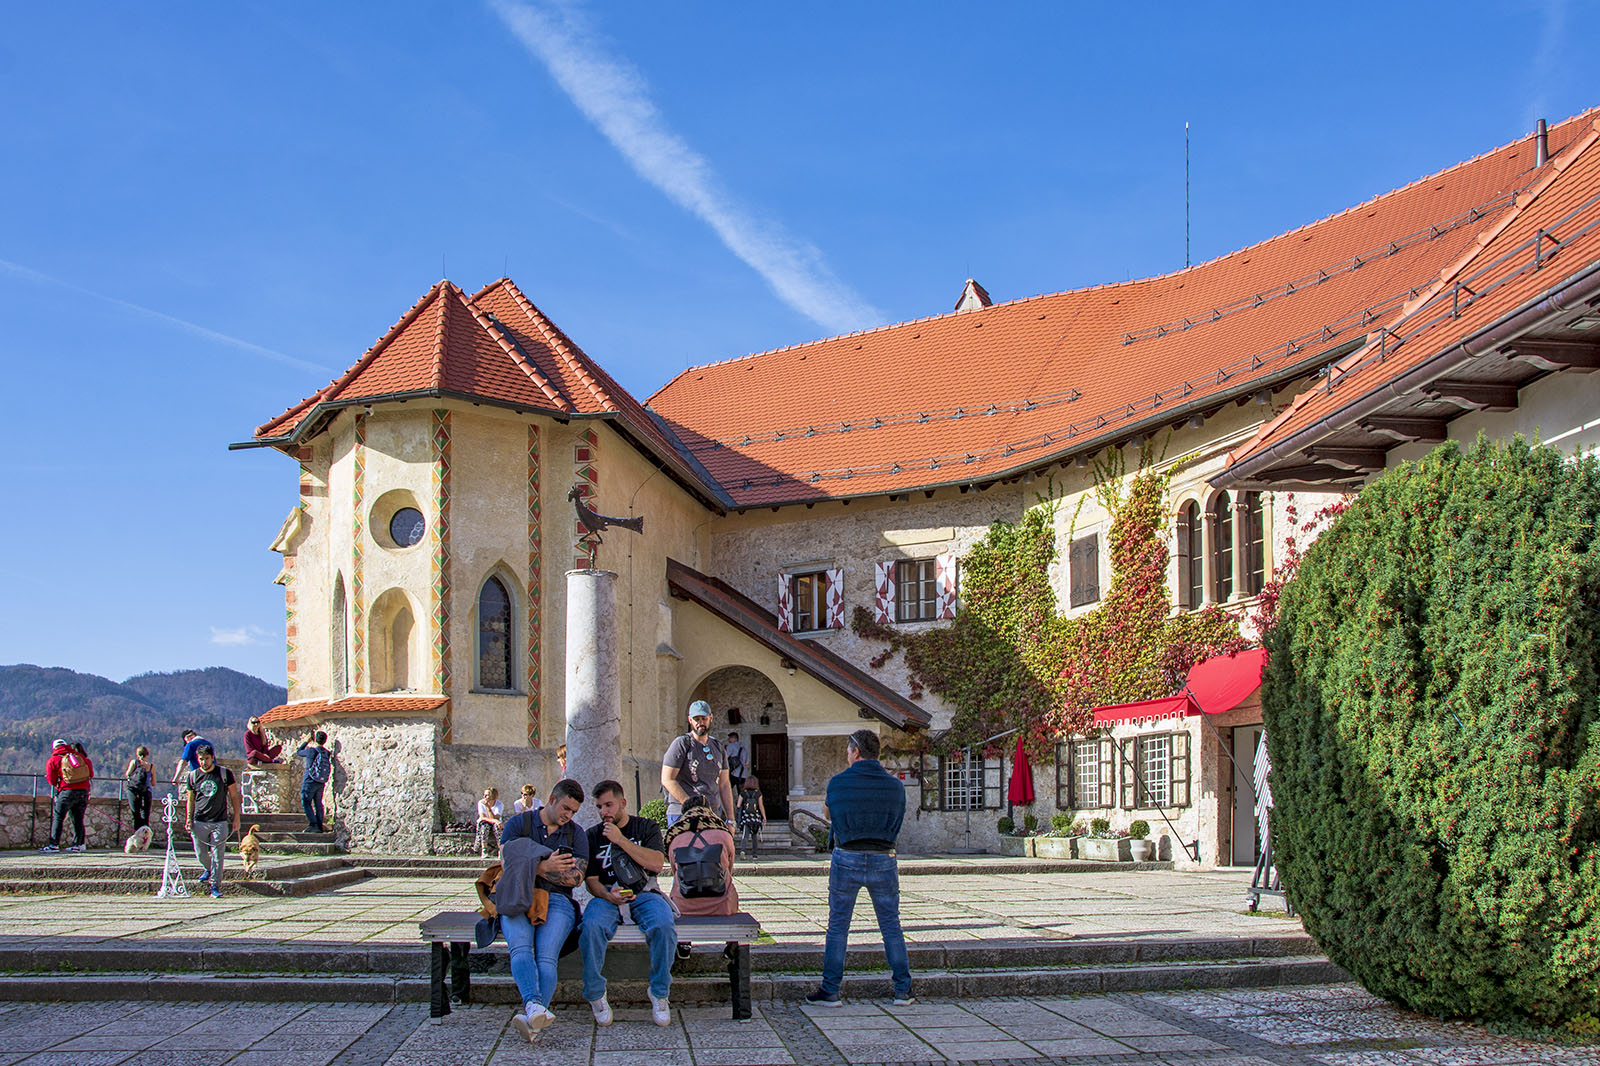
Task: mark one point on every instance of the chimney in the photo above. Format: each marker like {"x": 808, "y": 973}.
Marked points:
{"x": 1541, "y": 145}
{"x": 973, "y": 297}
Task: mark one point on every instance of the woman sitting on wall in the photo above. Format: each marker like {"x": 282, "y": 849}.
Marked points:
{"x": 490, "y": 816}
{"x": 259, "y": 751}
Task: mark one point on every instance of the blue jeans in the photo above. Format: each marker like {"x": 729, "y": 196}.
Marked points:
{"x": 535, "y": 948}
{"x": 848, "y": 874}
{"x": 653, "y": 915}
{"x": 311, "y": 800}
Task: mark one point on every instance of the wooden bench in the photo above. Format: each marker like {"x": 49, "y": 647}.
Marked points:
{"x": 450, "y": 936}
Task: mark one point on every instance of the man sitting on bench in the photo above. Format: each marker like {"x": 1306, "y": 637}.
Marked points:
{"x": 616, "y": 839}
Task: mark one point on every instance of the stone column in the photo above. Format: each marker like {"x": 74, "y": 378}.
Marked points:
{"x": 797, "y": 769}
{"x": 594, "y": 692}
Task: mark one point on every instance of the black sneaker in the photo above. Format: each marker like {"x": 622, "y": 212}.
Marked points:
{"x": 819, "y": 998}
{"x": 684, "y": 950}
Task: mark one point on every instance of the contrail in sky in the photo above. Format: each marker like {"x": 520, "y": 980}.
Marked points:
{"x": 612, "y": 94}
{"x": 29, "y": 274}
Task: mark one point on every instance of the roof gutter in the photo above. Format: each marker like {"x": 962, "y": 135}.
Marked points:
{"x": 1579, "y": 289}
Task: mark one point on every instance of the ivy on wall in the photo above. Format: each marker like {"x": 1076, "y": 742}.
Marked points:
{"x": 1011, "y": 660}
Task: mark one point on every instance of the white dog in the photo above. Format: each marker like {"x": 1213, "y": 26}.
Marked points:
{"x": 140, "y": 841}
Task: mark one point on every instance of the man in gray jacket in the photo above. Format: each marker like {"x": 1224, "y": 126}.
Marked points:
{"x": 544, "y": 849}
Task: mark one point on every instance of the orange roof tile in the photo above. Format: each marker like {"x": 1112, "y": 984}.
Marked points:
{"x": 293, "y": 712}
{"x": 1499, "y": 274}
{"x": 972, "y": 396}
{"x": 495, "y": 347}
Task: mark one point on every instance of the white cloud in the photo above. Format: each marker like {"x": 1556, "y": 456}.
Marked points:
{"x": 237, "y": 637}
{"x": 612, "y": 94}
{"x": 39, "y": 278}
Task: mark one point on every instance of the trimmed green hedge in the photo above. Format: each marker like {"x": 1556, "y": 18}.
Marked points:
{"x": 1431, "y": 713}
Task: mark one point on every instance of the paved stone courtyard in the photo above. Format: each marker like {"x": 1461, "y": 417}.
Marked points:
{"x": 1154, "y": 904}
{"x": 1319, "y": 1025}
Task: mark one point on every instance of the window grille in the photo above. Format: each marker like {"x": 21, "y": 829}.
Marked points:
{"x": 494, "y": 636}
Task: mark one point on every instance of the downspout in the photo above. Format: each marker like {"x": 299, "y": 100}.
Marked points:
{"x": 1581, "y": 288}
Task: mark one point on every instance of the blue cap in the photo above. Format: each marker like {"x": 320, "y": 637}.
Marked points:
{"x": 698, "y": 708}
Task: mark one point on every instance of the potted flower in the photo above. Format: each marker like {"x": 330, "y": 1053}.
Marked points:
{"x": 1010, "y": 843}
{"x": 1140, "y": 846}
{"x": 1103, "y": 844}
{"x": 1064, "y": 832}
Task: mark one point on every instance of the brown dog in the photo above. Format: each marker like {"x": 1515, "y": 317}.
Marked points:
{"x": 250, "y": 850}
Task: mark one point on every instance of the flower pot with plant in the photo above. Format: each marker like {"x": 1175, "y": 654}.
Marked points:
{"x": 1140, "y": 846}
{"x": 1062, "y": 839}
{"x": 1009, "y": 843}
{"x": 1103, "y": 844}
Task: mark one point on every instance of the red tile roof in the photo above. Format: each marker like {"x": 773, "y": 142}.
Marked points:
{"x": 972, "y": 396}
{"x": 293, "y": 712}
{"x": 1500, "y": 275}
{"x": 494, "y": 347}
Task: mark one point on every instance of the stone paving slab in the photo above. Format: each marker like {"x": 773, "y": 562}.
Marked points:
{"x": 1205, "y": 1028}
{"x": 979, "y": 908}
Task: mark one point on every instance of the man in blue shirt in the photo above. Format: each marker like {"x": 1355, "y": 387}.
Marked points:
{"x": 535, "y": 949}
{"x": 190, "y": 759}
{"x": 867, "y": 805}
{"x": 319, "y": 768}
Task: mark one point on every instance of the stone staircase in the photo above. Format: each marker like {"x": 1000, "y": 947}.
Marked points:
{"x": 375, "y": 972}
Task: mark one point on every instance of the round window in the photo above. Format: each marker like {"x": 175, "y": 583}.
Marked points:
{"x": 406, "y": 527}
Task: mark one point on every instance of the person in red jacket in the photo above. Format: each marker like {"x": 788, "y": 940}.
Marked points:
{"x": 70, "y": 773}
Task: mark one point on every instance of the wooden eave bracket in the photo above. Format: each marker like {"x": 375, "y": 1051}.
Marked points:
{"x": 1549, "y": 355}
{"x": 1408, "y": 430}
{"x": 1474, "y": 395}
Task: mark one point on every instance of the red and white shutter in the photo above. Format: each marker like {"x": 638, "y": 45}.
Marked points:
{"x": 946, "y": 578}
{"x": 785, "y": 605}
{"x": 883, "y": 593}
{"x": 836, "y": 598}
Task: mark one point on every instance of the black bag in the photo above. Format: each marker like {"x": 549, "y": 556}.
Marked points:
{"x": 628, "y": 873}
{"x": 700, "y": 873}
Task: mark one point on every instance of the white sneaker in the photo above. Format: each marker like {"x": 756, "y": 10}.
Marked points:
{"x": 602, "y": 1011}
{"x": 531, "y": 1020}
{"x": 660, "y": 1011}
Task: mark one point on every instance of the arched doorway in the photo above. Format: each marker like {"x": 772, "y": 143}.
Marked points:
{"x": 745, "y": 701}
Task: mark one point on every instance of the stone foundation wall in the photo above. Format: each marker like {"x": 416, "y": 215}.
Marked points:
{"x": 465, "y": 770}
{"x": 25, "y": 822}
{"x": 383, "y": 783}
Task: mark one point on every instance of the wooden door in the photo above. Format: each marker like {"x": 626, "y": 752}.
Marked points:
{"x": 769, "y": 761}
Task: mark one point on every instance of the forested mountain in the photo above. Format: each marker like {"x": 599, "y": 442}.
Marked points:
{"x": 39, "y": 704}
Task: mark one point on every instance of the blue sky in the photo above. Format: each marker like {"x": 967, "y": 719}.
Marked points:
{"x": 210, "y": 211}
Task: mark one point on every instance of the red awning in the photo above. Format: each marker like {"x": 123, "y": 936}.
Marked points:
{"x": 1222, "y": 683}
{"x": 1216, "y": 685}
{"x": 1168, "y": 707}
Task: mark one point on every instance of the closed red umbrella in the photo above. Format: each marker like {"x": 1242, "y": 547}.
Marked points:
{"x": 1021, "y": 790}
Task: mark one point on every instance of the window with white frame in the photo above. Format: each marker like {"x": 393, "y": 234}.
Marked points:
{"x": 969, "y": 782}
{"x": 1153, "y": 756}
{"x": 810, "y": 600}
{"x": 916, "y": 590}
{"x": 1155, "y": 771}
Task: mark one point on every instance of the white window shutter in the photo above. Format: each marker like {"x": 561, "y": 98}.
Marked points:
{"x": 883, "y": 594}
{"x": 836, "y": 598}
{"x": 946, "y": 578}
{"x": 785, "y": 605}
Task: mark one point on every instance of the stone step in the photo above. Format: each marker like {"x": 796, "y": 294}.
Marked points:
{"x": 294, "y": 847}
{"x": 293, "y": 837}
{"x": 407, "y": 959}
{"x": 232, "y": 882}
{"x": 258, "y": 986}
{"x": 65, "y": 870}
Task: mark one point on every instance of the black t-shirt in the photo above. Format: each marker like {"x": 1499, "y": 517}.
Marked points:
{"x": 643, "y": 832}
{"x": 699, "y": 765}
{"x": 210, "y": 793}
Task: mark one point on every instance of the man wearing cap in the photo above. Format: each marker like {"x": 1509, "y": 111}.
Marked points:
{"x": 696, "y": 764}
